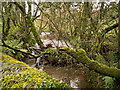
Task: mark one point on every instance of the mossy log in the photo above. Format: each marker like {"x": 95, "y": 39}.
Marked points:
{"x": 17, "y": 74}
{"x": 80, "y": 55}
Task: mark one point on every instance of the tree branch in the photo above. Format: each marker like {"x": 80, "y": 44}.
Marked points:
{"x": 16, "y": 50}
{"x": 106, "y": 30}
{"x": 20, "y": 7}
{"x": 34, "y": 18}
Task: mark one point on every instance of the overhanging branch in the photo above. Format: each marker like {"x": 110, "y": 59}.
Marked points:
{"x": 16, "y": 50}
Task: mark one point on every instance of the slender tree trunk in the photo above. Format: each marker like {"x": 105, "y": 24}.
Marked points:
{"x": 7, "y": 22}
{"x": 119, "y": 37}
{"x": 3, "y": 25}
{"x": 36, "y": 36}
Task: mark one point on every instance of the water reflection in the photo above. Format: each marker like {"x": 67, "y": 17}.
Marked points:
{"x": 75, "y": 77}
{"x": 74, "y": 83}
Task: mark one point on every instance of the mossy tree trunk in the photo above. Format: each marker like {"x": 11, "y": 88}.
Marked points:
{"x": 119, "y": 37}
{"x": 80, "y": 55}
{"x": 6, "y": 15}
{"x": 30, "y": 24}
{"x": 36, "y": 35}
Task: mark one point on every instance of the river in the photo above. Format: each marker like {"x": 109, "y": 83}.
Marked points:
{"x": 75, "y": 76}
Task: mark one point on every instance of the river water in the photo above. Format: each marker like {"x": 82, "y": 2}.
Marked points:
{"x": 76, "y": 77}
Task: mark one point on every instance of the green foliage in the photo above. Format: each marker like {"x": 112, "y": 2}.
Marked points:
{"x": 14, "y": 32}
{"x": 109, "y": 82}
{"x": 99, "y": 81}
{"x": 92, "y": 80}
{"x": 109, "y": 60}
{"x": 29, "y": 77}
{"x": 112, "y": 59}
{"x": 82, "y": 26}
{"x": 100, "y": 58}
{"x": 61, "y": 57}
{"x": 19, "y": 34}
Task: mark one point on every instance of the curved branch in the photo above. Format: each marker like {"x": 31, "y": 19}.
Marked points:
{"x": 20, "y": 7}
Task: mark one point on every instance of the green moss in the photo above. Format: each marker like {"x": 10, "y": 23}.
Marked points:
{"x": 28, "y": 78}
{"x": 80, "y": 55}
{"x": 81, "y": 52}
{"x": 6, "y": 58}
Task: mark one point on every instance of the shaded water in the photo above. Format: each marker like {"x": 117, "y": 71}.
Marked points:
{"x": 74, "y": 76}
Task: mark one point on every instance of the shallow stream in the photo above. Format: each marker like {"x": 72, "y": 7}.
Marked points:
{"x": 74, "y": 76}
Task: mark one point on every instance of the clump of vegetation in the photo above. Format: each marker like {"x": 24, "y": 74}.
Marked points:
{"x": 55, "y": 57}
{"x": 99, "y": 81}
{"x": 29, "y": 77}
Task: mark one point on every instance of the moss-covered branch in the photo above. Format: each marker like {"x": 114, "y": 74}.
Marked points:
{"x": 106, "y": 30}
{"x": 80, "y": 55}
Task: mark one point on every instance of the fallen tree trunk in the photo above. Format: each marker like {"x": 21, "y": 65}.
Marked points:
{"x": 80, "y": 55}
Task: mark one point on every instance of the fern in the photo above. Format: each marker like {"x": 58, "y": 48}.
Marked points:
{"x": 109, "y": 82}
{"x": 14, "y": 43}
